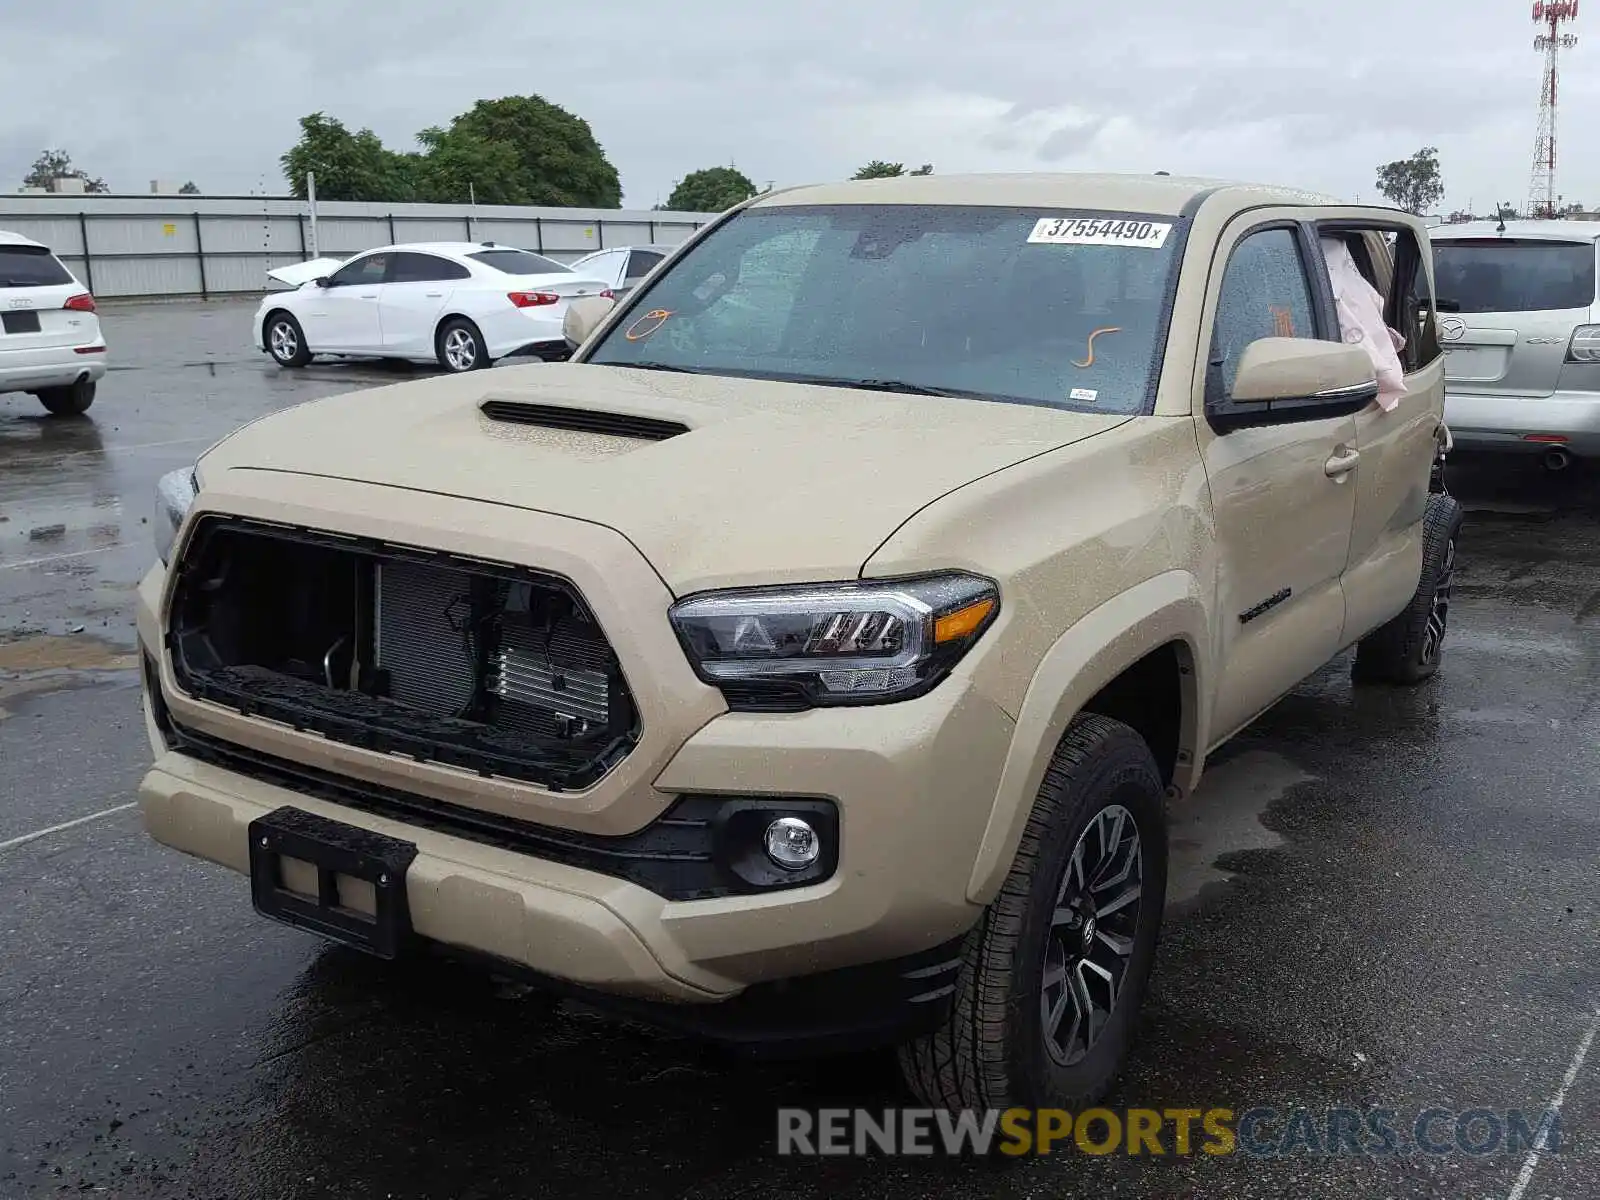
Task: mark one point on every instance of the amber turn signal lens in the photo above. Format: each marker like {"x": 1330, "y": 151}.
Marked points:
{"x": 963, "y": 622}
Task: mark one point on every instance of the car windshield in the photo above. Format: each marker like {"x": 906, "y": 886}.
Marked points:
{"x": 519, "y": 262}
{"x": 1498, "y": 275}
{"x": 1026, "y": 305}
{"x": 30, "y": 266}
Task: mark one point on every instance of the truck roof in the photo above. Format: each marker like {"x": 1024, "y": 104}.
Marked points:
{"x": 1165, "y": 195}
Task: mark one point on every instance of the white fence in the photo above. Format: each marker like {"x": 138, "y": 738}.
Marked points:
{"x": 164, "y": 245}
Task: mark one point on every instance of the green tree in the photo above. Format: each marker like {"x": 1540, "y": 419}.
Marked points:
{"x": 348, "y": 166}
{"x": 189, "y": 189}
{"x": 57, "y": 164}
{"x": 558, "y": 161}
{"x": 455, "y": 166}
{"x": 1414, "y": 183}
{"x": 711, "y": 190}
{"x": 878, "y": 169}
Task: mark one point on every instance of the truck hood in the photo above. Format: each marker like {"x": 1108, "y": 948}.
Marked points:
{"x": 719, "y": 481}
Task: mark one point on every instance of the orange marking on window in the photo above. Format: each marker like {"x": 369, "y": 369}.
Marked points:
{"x": 1089, "y": 362}
{"x": 656, "y": 315}
{"x": 1282, "y": 321}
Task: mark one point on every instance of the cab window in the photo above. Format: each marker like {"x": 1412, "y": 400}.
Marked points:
{"x": 1265, "y": 293}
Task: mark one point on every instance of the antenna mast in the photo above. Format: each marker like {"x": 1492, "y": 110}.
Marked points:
{"x": 1550, "y": 16}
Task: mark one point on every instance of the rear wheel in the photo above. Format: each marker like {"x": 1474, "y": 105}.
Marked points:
{"x": 1408, "y": 649}
{"x": 1055, "y": 972}
{"x": 286, "y": 341}
{"x": 460, "y": 346}
{"x": 70, "y": 401}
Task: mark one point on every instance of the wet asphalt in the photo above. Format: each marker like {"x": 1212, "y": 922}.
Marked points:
{"x": 1381, "y": 898}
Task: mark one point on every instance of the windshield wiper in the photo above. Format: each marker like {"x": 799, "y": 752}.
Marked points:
{"x": 656, "y": 366}
{"x": 903, "y": 386}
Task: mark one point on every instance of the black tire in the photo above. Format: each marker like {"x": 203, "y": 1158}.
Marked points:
{"x": 285, "y": 340}
{"x": 992, "y": 1051}
{"x": 70, "y": 401}
{"x": 460, "y": 347}
{"x": 1408, "y": 649}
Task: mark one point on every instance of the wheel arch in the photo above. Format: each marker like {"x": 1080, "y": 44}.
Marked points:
{"x": 266, "y": 320}
{"x": 1153, "y": 636}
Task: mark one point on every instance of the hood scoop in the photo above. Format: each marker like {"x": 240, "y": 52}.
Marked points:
{"x": 581, "y": 420}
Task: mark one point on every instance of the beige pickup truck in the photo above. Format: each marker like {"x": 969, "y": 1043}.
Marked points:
{"x": 815, "y": 657}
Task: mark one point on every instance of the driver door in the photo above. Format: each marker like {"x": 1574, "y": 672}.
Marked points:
{"x": 343, "y": 317}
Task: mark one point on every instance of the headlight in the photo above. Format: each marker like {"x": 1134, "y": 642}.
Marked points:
{"x": 175, "y": 493}
{"x": 844, "y": 643}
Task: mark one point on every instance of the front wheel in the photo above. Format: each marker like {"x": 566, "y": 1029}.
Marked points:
{"x": 286, "y": 341}
{"x": 1055, "y": 972}
{"x": 70, "y": 401}
{"x": 460, "y": 346}
{"x": 1408, "y": 649}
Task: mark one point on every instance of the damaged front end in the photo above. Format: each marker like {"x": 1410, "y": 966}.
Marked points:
{"x": 487, "y": 667}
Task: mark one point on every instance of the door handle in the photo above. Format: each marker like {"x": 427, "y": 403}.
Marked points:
{"x": 369, "y": 295}
{"x": 1342, "y": 463}
{"x": 433, "y": 295}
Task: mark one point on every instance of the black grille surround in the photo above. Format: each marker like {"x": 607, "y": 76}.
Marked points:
{"x": 286, "y": 623}
{"x": 582, "y": 420}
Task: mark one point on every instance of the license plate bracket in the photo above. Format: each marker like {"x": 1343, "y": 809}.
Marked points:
{"x": 333, "y": 849}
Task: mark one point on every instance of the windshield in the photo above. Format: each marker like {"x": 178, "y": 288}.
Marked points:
{"x": 519, "y": 262}
{"x": 1025, "y": 305}
{"x": 30, "y": 266}
{"x": 1505, "y": 275}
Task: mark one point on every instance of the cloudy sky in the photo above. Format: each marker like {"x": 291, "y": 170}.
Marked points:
{"x": 1292, "y": 92}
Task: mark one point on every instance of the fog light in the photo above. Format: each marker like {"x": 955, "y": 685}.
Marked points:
{"x": 792, "y": 843}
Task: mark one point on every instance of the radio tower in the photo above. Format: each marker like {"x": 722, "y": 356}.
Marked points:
{"x": 1550, "y": 16}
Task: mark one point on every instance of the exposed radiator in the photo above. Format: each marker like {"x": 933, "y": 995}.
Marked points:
{"x": 422, "y": 635}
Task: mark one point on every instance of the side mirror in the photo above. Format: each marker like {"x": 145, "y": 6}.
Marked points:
{"x": 583, "y": 318}
{"x": 322, "y": 281}
{"x": 1293, "y": 375}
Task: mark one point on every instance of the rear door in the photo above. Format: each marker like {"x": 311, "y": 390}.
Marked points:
{"x": 417, "y": 290}
{"x": 34, "y": 289}
{"x": 1397, "y": 446}
{"x": 1508, "y": 306}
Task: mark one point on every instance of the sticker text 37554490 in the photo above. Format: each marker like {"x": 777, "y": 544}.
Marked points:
{"x": 1109, "y": 231}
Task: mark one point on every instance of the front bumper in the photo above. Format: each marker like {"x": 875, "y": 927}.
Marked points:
{"x": 50, "y": 366}
{"x": 913, "y": 784}
{"x": 1505, "y": 423}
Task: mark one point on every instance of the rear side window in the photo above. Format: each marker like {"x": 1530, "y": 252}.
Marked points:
{"x": 641, "y": 263}
{"x": 425, "y": 268}
{"x": 519, "y": 262}
{"x": 1497, "y": 275}
{"x": 31, "y": 266}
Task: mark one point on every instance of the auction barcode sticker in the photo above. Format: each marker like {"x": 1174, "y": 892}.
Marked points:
{"x": 1113, "y": 231}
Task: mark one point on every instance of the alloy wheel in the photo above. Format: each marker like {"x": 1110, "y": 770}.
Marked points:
{"x": 1439, "y": 605}
{"x": 460, "y": 349}
{"x": 284, "y": 341}
{"x": 1092, "y": 934}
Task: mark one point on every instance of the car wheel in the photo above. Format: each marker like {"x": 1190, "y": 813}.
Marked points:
{"x": 1408, "y": 649}
{"x": 460, "y": 346}
{"x": 1055, "y": 972}
{"x": 70, "y": 401}
{"x": 286, "y": 341}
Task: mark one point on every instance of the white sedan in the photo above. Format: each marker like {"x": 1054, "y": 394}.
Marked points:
{"x": 460, "y": 304}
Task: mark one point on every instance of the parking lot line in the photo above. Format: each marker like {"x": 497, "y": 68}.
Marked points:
{"x": 1526, "y": 1177}
{"x": 34, "y": 562}
{"x": 39, "y": 833}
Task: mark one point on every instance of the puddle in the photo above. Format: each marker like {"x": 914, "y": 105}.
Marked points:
{"x": 1224, "y": 817}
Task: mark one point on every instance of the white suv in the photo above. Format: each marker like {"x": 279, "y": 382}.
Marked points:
{"x": 50, "y": 339}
